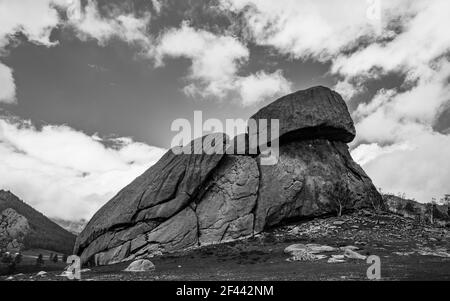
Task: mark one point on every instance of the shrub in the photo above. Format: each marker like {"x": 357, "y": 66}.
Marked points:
{"x": 410, "y": 207}
{"x": 40, "y": 260}
{"x": 341, "y": 195}
{"x": 18, "y": 258}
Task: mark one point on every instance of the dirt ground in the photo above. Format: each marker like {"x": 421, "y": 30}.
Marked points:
{"x": 408, "y": 251}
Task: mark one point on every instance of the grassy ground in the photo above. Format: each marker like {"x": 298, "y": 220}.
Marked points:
{"x": 28, "y": 263}
{"x": 408, "y": 251}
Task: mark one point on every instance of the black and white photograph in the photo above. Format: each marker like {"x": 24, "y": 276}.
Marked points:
{"x": 224, "y": 147}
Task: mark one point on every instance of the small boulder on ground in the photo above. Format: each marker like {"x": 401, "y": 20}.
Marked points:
{"x": 308, "y": 252}
{"x": 311, "y": 248}
{"x": 353, "y": 255}
{"x": 140, "y": 265}
{"x": 352, "y": 248}
{"x": 305, "y": 256}
{"x": 336, "y": 259}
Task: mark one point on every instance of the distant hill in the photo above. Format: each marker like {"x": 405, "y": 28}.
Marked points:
{"x": 418, "y": 211}
{"x": 74, "y": 227}
{"x": 43, "y": 233}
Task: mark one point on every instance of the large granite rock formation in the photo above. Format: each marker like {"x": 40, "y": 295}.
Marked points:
{"x": 191, "y": 200}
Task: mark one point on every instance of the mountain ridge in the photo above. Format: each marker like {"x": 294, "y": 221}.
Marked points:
{"x": 44, "y": 233}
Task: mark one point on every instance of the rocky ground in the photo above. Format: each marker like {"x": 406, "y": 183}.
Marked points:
{"x": 408, "y": 251}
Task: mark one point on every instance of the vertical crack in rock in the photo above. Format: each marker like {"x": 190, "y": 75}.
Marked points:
{"x": 258, "y": 196}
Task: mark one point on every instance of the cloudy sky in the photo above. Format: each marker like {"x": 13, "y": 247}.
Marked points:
{"x": 89, "y": 89}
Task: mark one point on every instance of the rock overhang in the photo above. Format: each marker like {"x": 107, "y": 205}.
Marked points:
{"x": 314, "y": 113}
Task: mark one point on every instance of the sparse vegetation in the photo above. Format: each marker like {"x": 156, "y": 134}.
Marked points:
{"x": 40, "y": 260}
{"x": 409, "y": 207}
{"x": 18, "y": 258}
{"x": 433, "y": 213}
{"x": 431, "y": 207}
{"x": 341, "y": 196}
{"x": 7, "y": 258}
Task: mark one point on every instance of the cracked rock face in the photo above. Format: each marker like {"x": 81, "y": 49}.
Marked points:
{"x": 191, "y": 200}
{"x": 299, "y": 184}
{"x": 159, "y": 194}
{"x": 225, "y": 210}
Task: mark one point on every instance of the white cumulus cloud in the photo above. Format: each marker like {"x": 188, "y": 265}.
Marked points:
{"x": 215, "y": 58}
{"x": 420, "y": 168}
{"x": 216, "y": 63}
{"x": 262, "y": 86}
{"x": 367, "y": 40}
{"x": 64, "y": 172}
{"x": 35, "y": 19}
{"x": 7, "y": 85}
{"x": 89, "y": 23}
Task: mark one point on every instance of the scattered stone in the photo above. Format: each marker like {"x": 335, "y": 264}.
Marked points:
{"x": 315, "y": 248}
{"x": 335, "y": 260}
{"x": 353, "y": 255}
{"x": 304, "y": 256}
{"x": 41, "y": 273}
{"x": 404, "y": 253}
{"x": 140, "y": 265}
{"x": 295, "y": 248}
{"x": 352, "y": 248}
{"x": 64, "y": 274}
{"x": 308, "y": 252}
{"x": 426, "y": 251}
{"x": 310, "y": 248}
{"x": 366, "y": 212}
